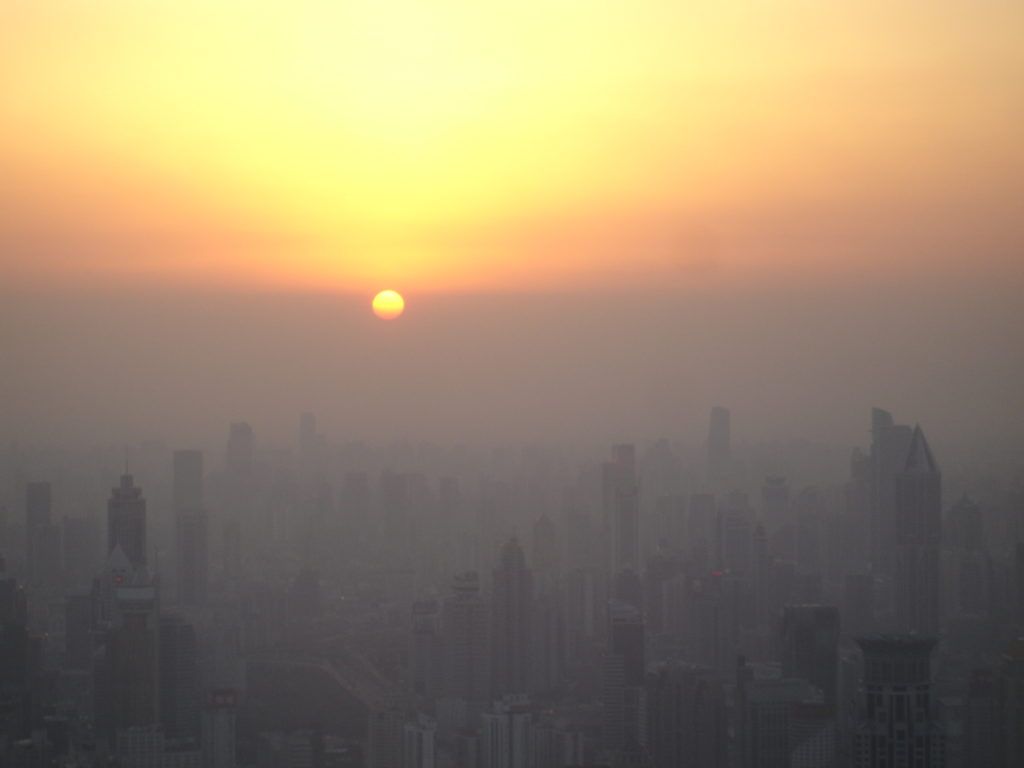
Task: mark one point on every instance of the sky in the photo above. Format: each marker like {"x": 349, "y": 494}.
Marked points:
{"x": 653, "y": 170}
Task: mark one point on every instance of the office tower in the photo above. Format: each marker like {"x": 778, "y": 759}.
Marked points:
{"x": 187, "y": 482}
{"x": 218, "y": 740}
{"x": 126, "y": 521}
{"x": 1012, "y": 703}
{"x": 809, "y": 647}
{"x": 701, "y": 524}
{"x": 511, "y": 614}
{"x": 858, "y": 604}
{"x": 505, "y": 734}
{"x": 897, "y": 729}
{"x": 82, "y": 550}
{"x": 191, "y": 528}
{"x": 238, "y": 457}
{"x": 426, "y": 651}
{"x": 719, "y": 445}
{"x": 465, "y": 625}
{"x": 621, "y": 498}
{"x": 968, "y": 561}
{"x": 79, "y": 632}
{"x": 545, "y": 549}
{"x": 735, "y": 530}
{"x": 889, "y": 445}
{"x": 623, "y": 680}
{"x": 42, "y": 537}
{"x": 418, "y": 743}
{"x": 386, "y": 738}
{"x": 687, "y": 722}
{"x": 918, "y": 532}
{"x": 179, "y": 679}
{"x": 17, "y": 661}
{"x": 128, "y": 678}
{"x": 552, "y": 746}
{"x": 782, "y": 722}
{"x": 775, "y": 511}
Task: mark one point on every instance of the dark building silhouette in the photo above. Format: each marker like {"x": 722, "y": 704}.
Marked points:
{"x": 126, "y": 521}
{"x": 687, "y": 721}
{"x": 898, "y": 727}
{"x": 179, "y": 678}
{"x": 719, "y": 444}
{"x": 918, "y": 539}
{"x": 809, "y": 647}
{"x": 191, "y": 528}
{"x": 511, "y": 613}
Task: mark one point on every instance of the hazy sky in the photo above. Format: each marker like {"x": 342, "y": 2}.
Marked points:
{"x": 596, "y": 210}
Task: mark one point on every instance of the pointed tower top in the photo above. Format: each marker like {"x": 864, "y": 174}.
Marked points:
{"x": 919, "y": 457}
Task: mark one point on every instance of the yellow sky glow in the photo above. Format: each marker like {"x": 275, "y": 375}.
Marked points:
{"x": 455, "y": 145}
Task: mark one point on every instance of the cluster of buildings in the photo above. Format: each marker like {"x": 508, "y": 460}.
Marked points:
{"x": 329, "y": 606}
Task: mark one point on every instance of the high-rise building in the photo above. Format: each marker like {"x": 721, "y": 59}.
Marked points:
{"x": 465, "y": 625}
{"x": 889, "y": 445}
{"x": 623, "y": 681}
{"x": 511, "y": 614}
{"x": 218, "y": 740}
{"x": 918, "y": 539}
{"x": 897, "y": 726}
{"x": 81, "y": 539}
{"x": 505, "y": 734}
{"x": 42, "y": 537}
{"x": 126, "y": 521}
{"x": 418, "y": 743}
{"x": 621, "y": 492}
{"x": 238, "y": 457}
{"x": 719, "y": 445}
{"x": 128, "y": 678}
{"x": 179, "y": 679}
{"x": 191, "y": 528}
{"x": 426, "y": 651}
{"x": 810, "y": 647}
{"x": 687, "y": 723}
{"x": 783, "y": 722}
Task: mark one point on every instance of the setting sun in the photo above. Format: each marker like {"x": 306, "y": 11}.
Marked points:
{"x": 387, "y": 305}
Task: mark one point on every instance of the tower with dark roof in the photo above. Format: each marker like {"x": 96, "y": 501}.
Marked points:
{"x": 918, "y": 538}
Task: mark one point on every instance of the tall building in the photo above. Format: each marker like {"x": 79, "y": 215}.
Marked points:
{"x": 623, "y": 681}
{"x": 687, "y": 721}
{"x": 511, "y": 613}
{"x": 897, "y": 726}
{"x": 42, "y": 537}
{"x": 505, "y": 734}
{"x": 465, "y": 625}
{"x": 426, "y": 651}
{"x": 128, "y": 677}
{"x": 238, "y": 457}
{"x": 621, "y": 492}
{"x": 126, "y": 521}
{"x": 418, "y": 743}
{"x": 810, "y": 647}
{"x": 889, "y": 445}
{"x": 218, "y": 740}
{"x": 179, "y": 679}
{"x": 719, "y": 444}
{"x": 191, "y": 528}
{"x": 918, "y": 539}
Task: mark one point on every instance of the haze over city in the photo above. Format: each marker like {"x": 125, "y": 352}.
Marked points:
{"x": 397, "y": 385}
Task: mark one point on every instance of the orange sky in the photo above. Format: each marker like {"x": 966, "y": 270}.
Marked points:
{"x": 458, "y": 145}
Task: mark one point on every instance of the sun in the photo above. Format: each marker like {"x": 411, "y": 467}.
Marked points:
{"x": 387, "y": 305}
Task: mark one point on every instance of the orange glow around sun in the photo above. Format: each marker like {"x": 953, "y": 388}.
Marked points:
{"x": 456, "y": 145}
{"x": 387, "y": 305}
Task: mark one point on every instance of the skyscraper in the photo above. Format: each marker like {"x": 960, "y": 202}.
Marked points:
{"x": 889, "y": 445}
{"x": 465, "y": 627}
{"x": 623, "y": 680}
{"x": 42, "y": 537}
{"x": 179, "y": 679}
{"x": 918, "y": 539}
{"x": 810, "y": 647}
{"x": 126, "y": 521}
{"x": 191, "y": 527}
{"x": 621, "y": 493}
{"x": 719, "y": 445}
{"x": 897, "y": 729}
{"x": 511, "y": 614}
